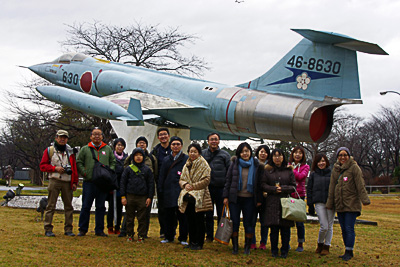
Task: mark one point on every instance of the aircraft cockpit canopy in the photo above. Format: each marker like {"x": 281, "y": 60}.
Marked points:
{"x": 67, "y": 58}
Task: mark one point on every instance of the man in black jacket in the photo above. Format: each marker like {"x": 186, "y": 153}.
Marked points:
{"x": 219, "y": 161}
{"x": 160, "y": 151}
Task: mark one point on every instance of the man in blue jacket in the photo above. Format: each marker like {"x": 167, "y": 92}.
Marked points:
{"x": 169, "y": 176}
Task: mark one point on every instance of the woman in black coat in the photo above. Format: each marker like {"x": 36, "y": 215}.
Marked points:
{"x": 317, "y": 193}
{"x": 278, "y": 182}
{"x": 240, "y": 191}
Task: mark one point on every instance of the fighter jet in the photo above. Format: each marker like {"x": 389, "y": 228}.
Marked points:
{"x": 293, "y": 101}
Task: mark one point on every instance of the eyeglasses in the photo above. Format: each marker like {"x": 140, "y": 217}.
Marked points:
{"x": 176, "y": 144}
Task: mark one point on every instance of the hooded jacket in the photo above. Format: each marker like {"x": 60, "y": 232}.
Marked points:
{"x": 137, "y": 178}
{"x": 347, "y": 188}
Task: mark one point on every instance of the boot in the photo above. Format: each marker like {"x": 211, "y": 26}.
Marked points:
{"x": 319, "y": 248}
{"x": 325, "y": 250}
{"x": 247, "y": 243}
{"x": 348, "y": 255}
{"x": 235, "y": 243}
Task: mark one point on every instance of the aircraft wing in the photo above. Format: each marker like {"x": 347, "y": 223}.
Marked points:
{"x": 148, "y": 102}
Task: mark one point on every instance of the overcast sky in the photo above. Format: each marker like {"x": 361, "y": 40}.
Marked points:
{"x": 240, "y": 41}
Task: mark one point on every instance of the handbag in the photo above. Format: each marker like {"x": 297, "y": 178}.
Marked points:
{"x": 103, "y": 176}
{"x": 225, "y": 227}
{"x": 294, "y": 209}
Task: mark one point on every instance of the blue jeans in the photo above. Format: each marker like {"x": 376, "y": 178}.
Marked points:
{"x": 246, "y": 206}
{"x": 301, "y": 232}
{"x": 347, "y": 221}
{"x": 90, "y": 192}
{"x": 217, "y": 199}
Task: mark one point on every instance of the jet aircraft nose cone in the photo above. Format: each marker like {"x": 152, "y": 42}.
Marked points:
{"x": 38, "y": 68}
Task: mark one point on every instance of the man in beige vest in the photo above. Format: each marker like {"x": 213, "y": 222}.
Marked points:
{"x": 59, "y": 162}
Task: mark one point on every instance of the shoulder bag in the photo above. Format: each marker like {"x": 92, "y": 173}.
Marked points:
{"x": 103, "y": 176}
{"x": 225, "y": 227}
{"x": 294, "y": 209}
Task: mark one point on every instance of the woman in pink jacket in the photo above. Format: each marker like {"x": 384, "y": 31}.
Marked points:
{"x": 300, "y": 169}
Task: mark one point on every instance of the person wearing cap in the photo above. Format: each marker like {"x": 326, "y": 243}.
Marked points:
{"x": 90, "y": 191}
{"x": 346, "y": 193}
{"x": 160, "y": 151}
{"x": 168, "y": 184}
{"x": 59, "y": 162}
{"x": 9, "y": 174}
{"x": 137, "y": 190}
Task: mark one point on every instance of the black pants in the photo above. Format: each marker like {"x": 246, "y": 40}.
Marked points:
{"x": 110, "y": 212}
{"x": 285, "y": 238}
{"x": 218, "y": 201}
{"x": 173, "y": 216}
{"x": 161, "y": 213}
{"x": 196, "y": 225}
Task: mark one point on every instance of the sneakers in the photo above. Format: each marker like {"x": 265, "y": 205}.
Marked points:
{"x": 184, "y": 243}
{"x": 253, "y": 246}
{"x": 130, "y": 238}
{"x": 262, "y": 246}
{"x": 140, "y": 239}
{"x": 81, "y": 233}
{"x": 165, "y": 241}
{"x": 117, "y": 232}
{"x": 110, "y": 230}
{"x": 49, "y": 234}
{"x": 69, "y": 234}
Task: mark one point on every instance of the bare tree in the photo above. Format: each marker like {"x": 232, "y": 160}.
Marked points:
{"x": 148, "y": 46}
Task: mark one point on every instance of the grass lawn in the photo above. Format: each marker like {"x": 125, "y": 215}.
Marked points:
{"x": 23, "y": 244}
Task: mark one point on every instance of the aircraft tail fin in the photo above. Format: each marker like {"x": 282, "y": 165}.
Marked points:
{"x": 322, "y": 64}
{"x": 135, "y": 109}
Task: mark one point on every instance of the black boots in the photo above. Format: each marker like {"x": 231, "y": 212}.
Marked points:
{"x": 348, "y": 254}
{"x": 235, "y": 243}
{"x": 247, "y": 243}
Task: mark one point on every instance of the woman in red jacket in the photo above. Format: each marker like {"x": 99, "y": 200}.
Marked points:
{"x": 300, "y": 169}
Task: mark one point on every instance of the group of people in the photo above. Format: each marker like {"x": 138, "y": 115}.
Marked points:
{"x": 188, "y": 186}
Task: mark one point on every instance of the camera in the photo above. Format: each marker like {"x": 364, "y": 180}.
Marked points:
{"x": 67, "y": 169}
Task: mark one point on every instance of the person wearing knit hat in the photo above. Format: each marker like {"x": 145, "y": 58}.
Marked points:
{"x": 342, "y": 149}
{"x": 142, "y": 138}
{"x": 346, "y": 193}
{"x": 176, "y": 138}
{"x": 168, "y": 184}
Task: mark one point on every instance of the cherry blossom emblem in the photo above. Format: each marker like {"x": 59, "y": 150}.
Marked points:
{"x": 303, "y": 80}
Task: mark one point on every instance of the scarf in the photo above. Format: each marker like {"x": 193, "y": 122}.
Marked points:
{"x": 119, "y": 157}
{"x": 250, "y": 178}
{"x": 296, "y": 166}
{"x": 193, "y": 172}
{"x": 60, "y": 147}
